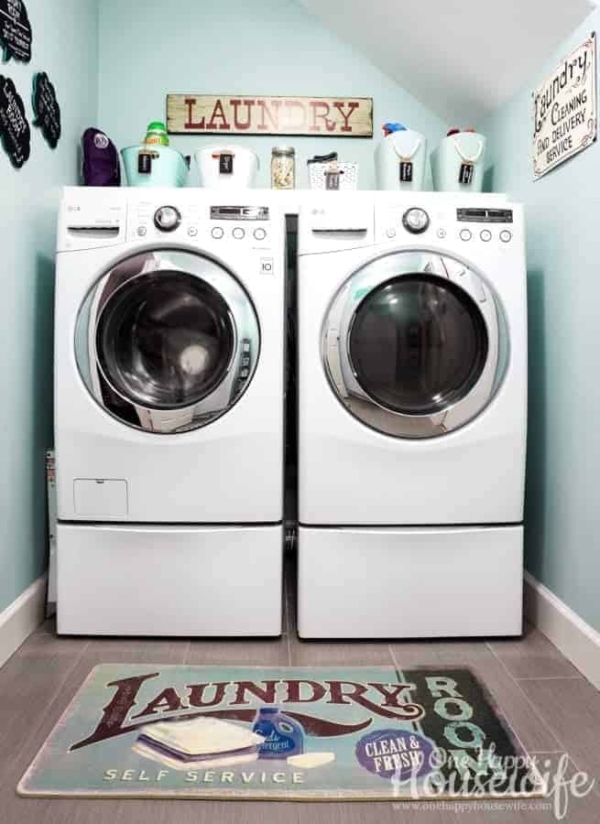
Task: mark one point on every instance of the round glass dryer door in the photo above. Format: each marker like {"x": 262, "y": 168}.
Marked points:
{"x": 167, "y": 341}
{"x": 414, "y": 345}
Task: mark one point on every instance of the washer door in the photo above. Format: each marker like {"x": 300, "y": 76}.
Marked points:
{"x": 414, "y": 344}
{"x": 167, "y": 341}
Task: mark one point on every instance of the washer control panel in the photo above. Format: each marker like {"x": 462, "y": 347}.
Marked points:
{"x": 193, "y": 222}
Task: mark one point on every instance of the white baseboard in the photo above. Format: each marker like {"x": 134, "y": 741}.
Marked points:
{"x": 577, "y": 640}
{"x": 21, "y": 618}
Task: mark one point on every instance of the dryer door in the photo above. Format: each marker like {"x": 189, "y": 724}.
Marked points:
{"x": 167, "y": 341}
{"x": 414, "y": 344}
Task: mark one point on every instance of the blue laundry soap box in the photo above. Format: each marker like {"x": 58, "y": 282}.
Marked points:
{"x": 283, "y": 736}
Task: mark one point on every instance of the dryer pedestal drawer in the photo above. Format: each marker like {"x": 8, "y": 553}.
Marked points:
{"x": 410, "y": 582}
{"x": 174, "y": 580}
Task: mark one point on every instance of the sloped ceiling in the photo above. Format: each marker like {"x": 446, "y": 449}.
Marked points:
{"x": 462, "y": 58}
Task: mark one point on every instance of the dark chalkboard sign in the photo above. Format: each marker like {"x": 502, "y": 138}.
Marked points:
{"x": 46, "y": 108}
{"x": 15, "y": 30}
{"x": 14, "y": 127}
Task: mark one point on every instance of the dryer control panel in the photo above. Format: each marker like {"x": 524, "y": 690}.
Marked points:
{"x": 427, "y": 221}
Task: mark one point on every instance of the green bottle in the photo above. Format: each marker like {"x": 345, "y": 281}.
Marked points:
{"x": 156, "y": 134}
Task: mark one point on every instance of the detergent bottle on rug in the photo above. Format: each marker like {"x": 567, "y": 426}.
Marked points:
{"x": 283, "y": 736}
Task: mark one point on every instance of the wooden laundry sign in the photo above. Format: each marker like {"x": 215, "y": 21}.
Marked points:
{"x": 244, "y": 114}
{"x": 565, "y": 109}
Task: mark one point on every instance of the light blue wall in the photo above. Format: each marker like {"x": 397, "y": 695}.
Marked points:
{"x": 270, "y": 47}
{"x": 563, "y": 246}
{"x": 65, "y": 46}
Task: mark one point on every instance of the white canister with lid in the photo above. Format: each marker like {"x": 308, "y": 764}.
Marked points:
{"x": 401, "y": 161}
{"x": 227, "y": 167}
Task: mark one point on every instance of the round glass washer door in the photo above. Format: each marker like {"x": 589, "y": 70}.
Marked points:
{"x": 167, "y": 341}
{"x": 414, "y": 345}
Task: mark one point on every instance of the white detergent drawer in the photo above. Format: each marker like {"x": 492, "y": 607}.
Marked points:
{"x": 172, "y": 580}
{"x": 100, "y": 498}
{"x": 410, "y": 582}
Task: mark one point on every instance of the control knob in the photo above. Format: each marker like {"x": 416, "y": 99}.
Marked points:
{"x": 415, "y": 221}
{"x": 167, "y": 218}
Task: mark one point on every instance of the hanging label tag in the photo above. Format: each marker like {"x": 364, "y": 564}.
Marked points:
{"x": 145, "y": 162}
{"x": 332, "y": 181}
{"x": 466, "y": 174}
{"x": 406, "y": 171}
{"x": 225, "y": 164}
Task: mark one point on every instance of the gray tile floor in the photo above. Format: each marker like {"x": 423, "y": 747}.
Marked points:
{"x": 551, "y": 707}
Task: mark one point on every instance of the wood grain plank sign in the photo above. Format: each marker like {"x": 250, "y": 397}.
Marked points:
{"x": 244, "y": 114}
{"x": 565, "y": 110}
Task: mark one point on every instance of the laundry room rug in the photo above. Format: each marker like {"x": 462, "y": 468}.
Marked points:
{"x": 282, "y": 733}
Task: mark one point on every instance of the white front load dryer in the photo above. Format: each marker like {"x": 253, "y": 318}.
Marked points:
{"x": 412, "y": 415}
{"x": 169, "y": 359}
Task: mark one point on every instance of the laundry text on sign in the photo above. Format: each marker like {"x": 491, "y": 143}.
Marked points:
{"x": 324, "y": 116}
{"x": 564, "y": 109}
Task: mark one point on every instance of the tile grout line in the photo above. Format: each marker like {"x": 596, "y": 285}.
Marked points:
{"x": 550, "y": 678}
{"x": 532, "y": 705}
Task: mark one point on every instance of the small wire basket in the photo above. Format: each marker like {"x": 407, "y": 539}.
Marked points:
{"x": 333, "y": 176}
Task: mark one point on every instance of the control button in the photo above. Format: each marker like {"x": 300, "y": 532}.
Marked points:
{"x": 465, "y": 234}
{"x": 505, "y": 236}
{"x": 441, "y": 233}
{"x": 416, "y": 221}
{"x": 142, "y": 231}
{"x": 260, "y": 234}
{"x": 167, "y": 218}
{"x": 485, "y": 235}
{"x": 217, "y": 233}
{"x": 238, "y": 233}
{"x": 192, "y": 231}
{"x": 391, "y": 232}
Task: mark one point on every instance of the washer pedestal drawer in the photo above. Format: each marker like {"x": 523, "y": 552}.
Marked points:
{"x": 169, "y": 580}
{"x": 410, "y": 582}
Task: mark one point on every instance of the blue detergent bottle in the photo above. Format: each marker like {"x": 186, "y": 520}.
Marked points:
{"x": 283, "y": 736}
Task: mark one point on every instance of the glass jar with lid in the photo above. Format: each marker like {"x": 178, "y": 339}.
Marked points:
{"x": 283, "y": 167}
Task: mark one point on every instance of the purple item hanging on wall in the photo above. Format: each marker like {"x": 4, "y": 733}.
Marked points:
{"x": 101, "y": 166}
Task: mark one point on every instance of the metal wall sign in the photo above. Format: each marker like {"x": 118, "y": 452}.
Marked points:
{"x": 565, "y": 109}
{"x": 250, "y": 114}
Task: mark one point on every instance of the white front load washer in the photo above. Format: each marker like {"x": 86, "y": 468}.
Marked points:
{"x": 412, "y": 415}
{"x": 169, "y": 361}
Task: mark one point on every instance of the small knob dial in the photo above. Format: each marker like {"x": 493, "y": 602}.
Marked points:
{"x": 416, "y": 221}
{"x": 167, "y": 218}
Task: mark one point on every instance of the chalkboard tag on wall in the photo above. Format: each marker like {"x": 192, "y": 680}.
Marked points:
{"x": 46, "y": 109}
{"x": 16, "y": 36}
{"x": 465, "y": 175}
{"x": 15, "y": 132}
